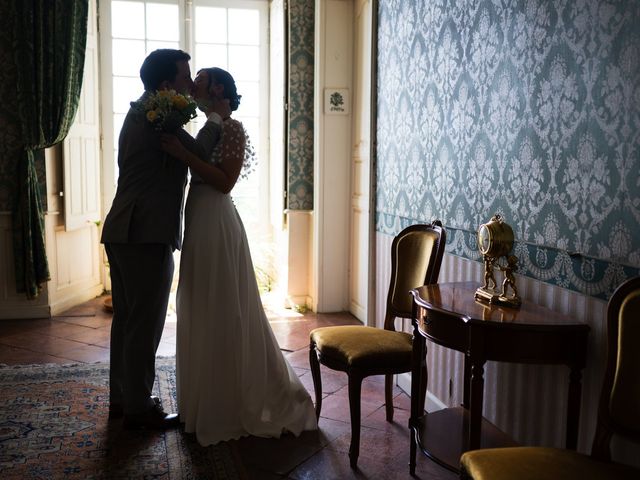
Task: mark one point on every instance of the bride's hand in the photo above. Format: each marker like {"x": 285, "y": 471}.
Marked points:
{"x": 172, "y": 145}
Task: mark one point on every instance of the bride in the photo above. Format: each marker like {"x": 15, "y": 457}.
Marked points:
{"x": 232, "y": 379}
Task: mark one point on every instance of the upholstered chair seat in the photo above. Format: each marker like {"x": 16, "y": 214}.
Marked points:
{"x": 360, "y": 351}
{"x": 363, "y": 347}
{"x": 536, "y": 463}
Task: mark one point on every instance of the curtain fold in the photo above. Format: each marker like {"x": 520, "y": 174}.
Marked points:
{"x": 49, "y": 44}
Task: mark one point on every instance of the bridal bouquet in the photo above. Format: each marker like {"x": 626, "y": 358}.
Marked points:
{"x": 167, "y": 110}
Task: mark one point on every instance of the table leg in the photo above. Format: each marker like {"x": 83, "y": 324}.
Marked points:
{"x": 475, "y": 407}
{"x": 573, "y": 407}
{"x": 467, "y": 381}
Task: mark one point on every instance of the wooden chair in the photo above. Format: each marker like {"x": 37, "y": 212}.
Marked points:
{"x": 618, "y": 413}
{"x": 416, "y": 256}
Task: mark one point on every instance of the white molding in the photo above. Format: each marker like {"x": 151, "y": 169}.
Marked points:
{"x": 82, "y": 295}
{"x": 432, "y": 403}
{"x": 332, "y": 158}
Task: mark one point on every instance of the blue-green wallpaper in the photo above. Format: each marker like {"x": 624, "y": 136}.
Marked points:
{"x": 300, "y": 159}
{"x": 526, "y": 108}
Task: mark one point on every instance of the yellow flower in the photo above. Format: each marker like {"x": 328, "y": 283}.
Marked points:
{"x": 164, "y": 93}
{"x": 152, "y": 115}
{"x": 180, "y": 102}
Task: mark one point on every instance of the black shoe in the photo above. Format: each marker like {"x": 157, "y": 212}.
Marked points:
{"x": 155, "y": 419}
{"x": 116, "y": 411}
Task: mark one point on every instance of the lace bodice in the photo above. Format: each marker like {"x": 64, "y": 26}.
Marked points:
{"x": 233, "y": 141}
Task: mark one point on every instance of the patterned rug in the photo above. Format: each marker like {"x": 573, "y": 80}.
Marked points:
{"x": 53, "y": 424}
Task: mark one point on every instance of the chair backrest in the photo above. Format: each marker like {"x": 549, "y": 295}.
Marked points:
{"x": 416, "y": 257}
{"x": 618, "y": 411}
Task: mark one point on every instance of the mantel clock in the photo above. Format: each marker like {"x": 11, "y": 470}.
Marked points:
{"x": 495, "y": 241}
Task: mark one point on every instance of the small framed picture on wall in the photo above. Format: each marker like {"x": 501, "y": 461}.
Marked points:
{"x": 336, "y": 101}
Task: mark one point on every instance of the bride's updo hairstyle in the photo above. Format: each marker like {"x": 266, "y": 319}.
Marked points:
{"x": 224, "y": 78}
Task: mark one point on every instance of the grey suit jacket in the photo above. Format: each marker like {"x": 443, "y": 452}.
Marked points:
{"x": 148, "y": 204}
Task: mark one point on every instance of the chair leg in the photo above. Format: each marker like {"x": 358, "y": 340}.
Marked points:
{"x": 317, "y": 380}
{"x": 355, "y": 386}
{"x": 388, "y": 396}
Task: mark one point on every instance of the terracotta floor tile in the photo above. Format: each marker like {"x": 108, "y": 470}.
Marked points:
{"x": 90, "y": 321}
{"x": 331, "y": 320}
{"x": 64, "y": 330}
{"x": 375, "y": 443}
{"x": 333, "y": 465}
{"x": 378, "y": 419}
{"x": 332, "y": 380}
{"x": 299, "y": 358}
{"x": 337, "y": 408}
{"x": 402, "y": 400}
{"x": 20, "y": 356}
{"x": 371, "y": 389}
{"x": 10, "y": 327}
{"x": 40, "y": 343}
{"x": 90, "y": 336}
{"x": 398, "y": 468}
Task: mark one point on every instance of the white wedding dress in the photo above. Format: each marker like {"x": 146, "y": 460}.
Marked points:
{"x": 232, "y": 379}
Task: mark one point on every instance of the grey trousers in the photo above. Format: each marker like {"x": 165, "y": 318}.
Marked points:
{"x": 141, "y": 276}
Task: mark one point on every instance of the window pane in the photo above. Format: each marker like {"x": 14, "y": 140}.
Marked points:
{"x": 151, "y": 46}
{"x": 250, "y": 101}
{"x": 252, "y": 127}
{"x": 210, "y": 56}
{"x": 128, "y": 56}
{"x": 211, "y": 24}
{"x": 125, "y": 91}
{"x": 162, "y": 22}
{"x": 127, "y": 19}
{"x": 244, "y": 63}
{"x": 244, "y": 27}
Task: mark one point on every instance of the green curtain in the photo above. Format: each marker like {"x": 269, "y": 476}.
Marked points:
{"x": 49, "y": 44}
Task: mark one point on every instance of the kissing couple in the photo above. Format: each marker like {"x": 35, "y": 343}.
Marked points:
{"x": 232, "y": 379}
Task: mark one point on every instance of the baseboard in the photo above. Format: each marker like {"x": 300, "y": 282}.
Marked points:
{"x": 298, "y": 300}
{"x": 358, "y": 311}
{"x": 432, "y": 402}
{"x": 77, "y": 298}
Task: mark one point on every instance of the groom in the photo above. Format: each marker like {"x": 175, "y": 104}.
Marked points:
{"x": 140, "y": 233}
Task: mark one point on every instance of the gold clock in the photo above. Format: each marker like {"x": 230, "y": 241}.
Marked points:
{"x": 495, "y": 238}
{"x": 495, "y": 241}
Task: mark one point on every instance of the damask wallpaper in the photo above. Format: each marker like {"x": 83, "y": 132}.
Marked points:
{"x": 300, "y": 159}
{"x": 528, "y": 108}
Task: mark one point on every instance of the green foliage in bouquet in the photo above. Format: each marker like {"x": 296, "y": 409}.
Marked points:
{"x": 167, "y": 110}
